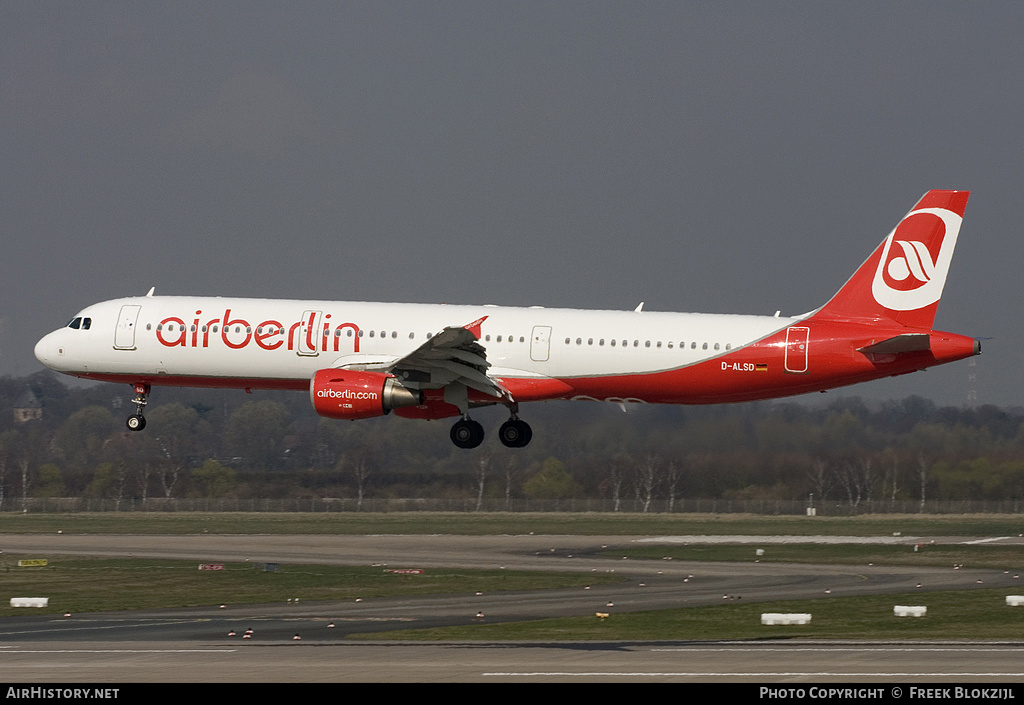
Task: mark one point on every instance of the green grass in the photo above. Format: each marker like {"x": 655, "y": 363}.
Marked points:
{"x": 93, "y": 584}
{"x": 498, "y": 523}
{"x": 962, "y": 614}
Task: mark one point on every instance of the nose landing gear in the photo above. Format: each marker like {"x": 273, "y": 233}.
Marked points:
{"x": 137, "y": 422}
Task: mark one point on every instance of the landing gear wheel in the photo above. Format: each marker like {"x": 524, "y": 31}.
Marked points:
{"x": 467, "y": 433}
{"x": 515, "y": 433}
{"x": 137, "y": 422}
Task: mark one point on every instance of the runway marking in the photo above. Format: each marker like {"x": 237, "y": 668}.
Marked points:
{"x": 996, "y": 538}
{"x": 744, "y": 674}
{"x": 120, "y": 651}
{"x": 744, "y": 539}
{"x": 819, "y": 648}
{"x": 116, "y": 624}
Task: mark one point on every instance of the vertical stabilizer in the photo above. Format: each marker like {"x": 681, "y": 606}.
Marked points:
{"x": 902, "y": 280}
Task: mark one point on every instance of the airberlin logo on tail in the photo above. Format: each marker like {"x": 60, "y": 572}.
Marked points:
{"x": 913, "y": 269}
{"x": 915, "y": 260}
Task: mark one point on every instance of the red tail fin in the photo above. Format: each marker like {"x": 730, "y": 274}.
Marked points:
{"x": 902, "y": 280}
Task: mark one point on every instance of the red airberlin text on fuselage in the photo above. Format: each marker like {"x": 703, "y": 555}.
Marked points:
{"x": 238, "y": 333}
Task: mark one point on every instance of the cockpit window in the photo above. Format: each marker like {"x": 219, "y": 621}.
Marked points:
{"x": 79, "y": 323}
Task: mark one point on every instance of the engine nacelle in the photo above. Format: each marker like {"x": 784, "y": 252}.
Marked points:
{"x": 345, "y": 394}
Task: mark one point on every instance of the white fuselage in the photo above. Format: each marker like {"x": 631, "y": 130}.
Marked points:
{"x": 206, "y": 340}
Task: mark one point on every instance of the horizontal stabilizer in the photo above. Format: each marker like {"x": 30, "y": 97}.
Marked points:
{"x": 908, "y": 342}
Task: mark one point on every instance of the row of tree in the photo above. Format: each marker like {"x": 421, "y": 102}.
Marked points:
{"x": 225, "y": 443}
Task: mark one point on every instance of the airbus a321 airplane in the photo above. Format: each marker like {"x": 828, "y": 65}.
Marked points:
{"x": 360, "y": 360}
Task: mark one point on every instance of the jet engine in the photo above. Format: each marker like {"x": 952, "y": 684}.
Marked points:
{"x": 345, "y": 394}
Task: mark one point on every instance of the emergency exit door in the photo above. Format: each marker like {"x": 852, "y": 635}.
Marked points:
{"x": 540, "y": 343}
{"x": 124, "y": 334}
{"x": 797, "y": 342}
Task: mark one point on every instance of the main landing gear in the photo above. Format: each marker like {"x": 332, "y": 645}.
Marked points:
{"x": 137, "y": 422}
{"x": 467, "y": 433}
{"x": 514, "y": 433}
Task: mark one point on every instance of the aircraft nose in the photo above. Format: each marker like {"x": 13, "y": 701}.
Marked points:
{"x": 49, "y": 350}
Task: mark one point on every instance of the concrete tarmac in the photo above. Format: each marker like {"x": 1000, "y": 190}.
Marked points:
{"x": 164, "y": 645}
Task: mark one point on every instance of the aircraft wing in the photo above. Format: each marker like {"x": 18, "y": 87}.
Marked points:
{"x": 452, "y": 357}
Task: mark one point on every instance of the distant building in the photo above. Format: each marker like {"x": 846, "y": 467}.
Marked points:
{"x": 28, "y": 408}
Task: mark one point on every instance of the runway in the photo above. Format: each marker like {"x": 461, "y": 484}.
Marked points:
{"x": 132, "y": 662}
{"x": 161, "y": 645}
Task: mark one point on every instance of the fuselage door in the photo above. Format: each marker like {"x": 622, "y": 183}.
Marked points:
{"x": 124, "y": 334}
{"x": 540, "y": 343}
{"x": 309, "y": 332}
{"x": 797, "y": 339}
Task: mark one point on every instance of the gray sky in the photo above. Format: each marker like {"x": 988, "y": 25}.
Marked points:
{"x": 729, "y": 157}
